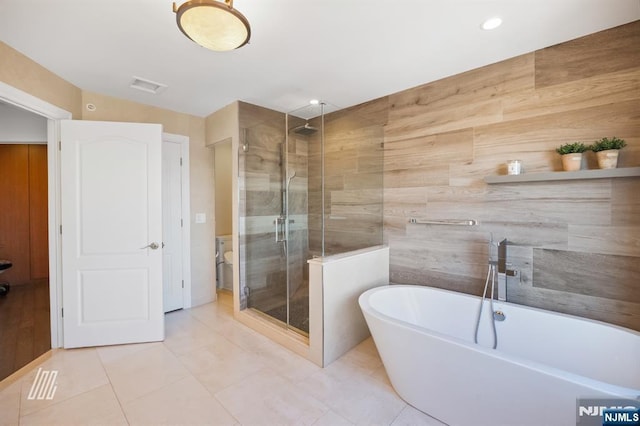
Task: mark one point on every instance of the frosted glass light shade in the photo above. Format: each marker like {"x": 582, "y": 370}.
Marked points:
{"x": 213, "y": 24}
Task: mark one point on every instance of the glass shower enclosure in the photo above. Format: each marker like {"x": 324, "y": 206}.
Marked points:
{"x": 290, "y": 167}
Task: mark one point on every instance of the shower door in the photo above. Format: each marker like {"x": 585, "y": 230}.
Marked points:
{"x": 301, "y": 133}
{"x": 274, "y": 232}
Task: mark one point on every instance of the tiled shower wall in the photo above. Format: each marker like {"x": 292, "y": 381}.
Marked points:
{"x": 353, "y": 189}
{"x": 576, "y": 243}
{"x": 353, "y": 192}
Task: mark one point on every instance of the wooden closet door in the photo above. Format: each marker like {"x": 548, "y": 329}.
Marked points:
{"x": 38, "y": 212}
{"x": 14, "y": 212}
{"x": 24, "y": 212}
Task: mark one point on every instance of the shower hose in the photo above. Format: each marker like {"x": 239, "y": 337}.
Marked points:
{"x": 491, "y": 274}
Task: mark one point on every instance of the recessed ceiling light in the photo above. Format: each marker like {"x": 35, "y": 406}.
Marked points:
{"x": 314, "y": 102}
{"x": 492, "y": 23}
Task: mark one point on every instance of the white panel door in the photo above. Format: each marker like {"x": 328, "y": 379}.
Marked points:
{"x": 172, "y": 225}
{"x": 111, "y": 233}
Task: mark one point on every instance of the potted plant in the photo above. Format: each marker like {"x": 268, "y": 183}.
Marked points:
{"x": 607, "y": 151}
{"x": 571, "y": 155}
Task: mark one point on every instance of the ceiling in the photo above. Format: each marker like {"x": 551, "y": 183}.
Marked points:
{"x": 342, "y": 52}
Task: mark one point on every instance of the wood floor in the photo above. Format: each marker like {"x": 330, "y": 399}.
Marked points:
{"x": 25, "y": 331}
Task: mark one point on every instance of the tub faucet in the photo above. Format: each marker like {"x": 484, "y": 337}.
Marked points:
{"x": 503, "y": 271}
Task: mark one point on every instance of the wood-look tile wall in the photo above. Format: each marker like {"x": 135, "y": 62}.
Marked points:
{"x": 353, "y": 184}
{"x": 575, "y": 243}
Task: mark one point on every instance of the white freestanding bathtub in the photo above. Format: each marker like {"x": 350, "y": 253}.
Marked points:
{"x": 544, "y": 361}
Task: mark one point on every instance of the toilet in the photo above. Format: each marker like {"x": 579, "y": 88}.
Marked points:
{"x": 224, "y": 262}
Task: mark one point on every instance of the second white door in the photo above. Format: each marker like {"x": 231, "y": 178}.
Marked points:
{"x": 172, "y": 226}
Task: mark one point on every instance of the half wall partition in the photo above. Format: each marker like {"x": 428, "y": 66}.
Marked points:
{"x": 310, "y": 185}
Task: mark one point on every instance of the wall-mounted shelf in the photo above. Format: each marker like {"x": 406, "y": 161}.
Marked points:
{"x": 553, "y": 176}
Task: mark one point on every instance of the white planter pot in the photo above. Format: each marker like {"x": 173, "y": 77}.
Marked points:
{"x": 607, "y": 159}
{"x": 572, "y": 162}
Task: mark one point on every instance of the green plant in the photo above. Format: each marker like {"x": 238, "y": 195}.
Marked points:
{"x": 606, "y": 143}
{"x": 571, "y": 148}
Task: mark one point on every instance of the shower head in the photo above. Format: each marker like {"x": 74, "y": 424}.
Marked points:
{"x": 305, "y": 130}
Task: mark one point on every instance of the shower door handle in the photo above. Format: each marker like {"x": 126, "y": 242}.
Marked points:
{"x": 280, "y": 229}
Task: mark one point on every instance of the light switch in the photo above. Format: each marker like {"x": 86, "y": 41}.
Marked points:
{"x": 201, "y": 218}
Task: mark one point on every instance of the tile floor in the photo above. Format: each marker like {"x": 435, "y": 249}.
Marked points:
{"x": 210, "y": 370}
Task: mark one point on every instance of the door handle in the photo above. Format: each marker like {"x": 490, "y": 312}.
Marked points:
{"x": 280, "y": 229}
{"x": 152, "y": 246}
{"x": 277, "y": 223}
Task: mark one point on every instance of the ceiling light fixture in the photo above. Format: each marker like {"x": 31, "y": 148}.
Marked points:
{"x": 491, "y": 23}
{"x": 213, "y": 24}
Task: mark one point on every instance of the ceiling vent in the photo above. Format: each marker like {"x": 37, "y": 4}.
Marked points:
{"x": 147, "y": 85}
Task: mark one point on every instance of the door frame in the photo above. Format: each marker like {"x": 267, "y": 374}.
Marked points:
{"x": 186, "y": 214}
{"x": 53, "y": 114}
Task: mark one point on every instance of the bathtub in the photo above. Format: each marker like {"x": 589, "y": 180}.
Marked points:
{"x": 544, "y": 361}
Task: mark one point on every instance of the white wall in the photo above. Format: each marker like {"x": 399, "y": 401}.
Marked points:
{"x": 221, "y": 127}
{"x": 223, "y": 176}
{"x": 203, "y": 243}
{"x": 222, "y": 124}
{"x": 20, "y": 126}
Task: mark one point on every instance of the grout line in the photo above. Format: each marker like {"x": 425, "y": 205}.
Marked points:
{"x": 106, "y": 372}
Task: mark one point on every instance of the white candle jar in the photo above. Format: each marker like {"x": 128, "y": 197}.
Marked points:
{"x": 514, "y": 167}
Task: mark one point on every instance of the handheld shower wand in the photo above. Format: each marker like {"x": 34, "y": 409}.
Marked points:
{"x": 491, "y": 275}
